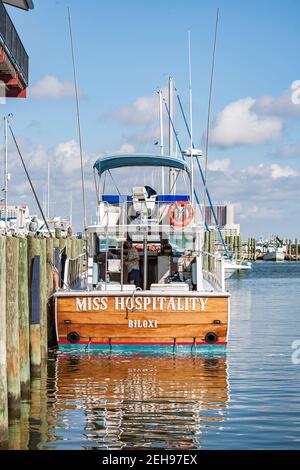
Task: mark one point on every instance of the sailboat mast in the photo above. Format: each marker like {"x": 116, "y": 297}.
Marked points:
{"x": 161, "y": 138}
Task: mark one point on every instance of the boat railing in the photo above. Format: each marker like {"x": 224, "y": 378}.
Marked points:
{"x": 73, "y": 272}
{"x": 213, "y": 270}
{"x": 11, "y": 41}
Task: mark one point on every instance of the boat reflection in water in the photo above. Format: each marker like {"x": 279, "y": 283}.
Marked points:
{"x": 137, "y": 402}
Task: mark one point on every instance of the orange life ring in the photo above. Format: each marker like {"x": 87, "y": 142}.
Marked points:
{"x": 185, "y": 220}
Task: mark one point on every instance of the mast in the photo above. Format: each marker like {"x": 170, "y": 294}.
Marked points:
{"x": 161, "y": 138}
{"x": 171, "y": 141}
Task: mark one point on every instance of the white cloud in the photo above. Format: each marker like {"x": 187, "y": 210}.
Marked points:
{"x": 260, "y": 212}
{"x": 125, "y": 149}
{"x": 220, "y": 165}
{"x": 239, "y": 124}
{"x": 142, "y": 111}
{"x": 278, "y": 171}
{"x": 274, "y": 171}
{"x": 51, "y": 87}
{"x": 67, "y": 157}
{"x": 284, "y": 106}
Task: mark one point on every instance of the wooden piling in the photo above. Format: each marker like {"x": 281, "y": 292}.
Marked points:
{"x": 58, "y": 232}
{"x": 3, "y": 376}
{"x": 12, "y": 326}
{"x": 35, "y": 329}
{"x": 43, "y": 300}
{"x": 24, "y": 318}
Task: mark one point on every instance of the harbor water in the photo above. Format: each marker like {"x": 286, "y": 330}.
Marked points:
{"x": 247, "y": 398}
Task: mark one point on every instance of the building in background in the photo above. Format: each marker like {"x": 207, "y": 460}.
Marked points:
{"x": 225, "y": 216}
{"x": 14, "y": 61}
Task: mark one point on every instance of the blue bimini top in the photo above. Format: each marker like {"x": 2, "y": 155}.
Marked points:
{"x": 119, "y": 161}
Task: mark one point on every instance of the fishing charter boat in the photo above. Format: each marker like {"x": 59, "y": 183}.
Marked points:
{"x": 149, "y": 284}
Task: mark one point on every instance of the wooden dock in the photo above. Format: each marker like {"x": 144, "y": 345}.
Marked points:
{"x": 27, "y": 267}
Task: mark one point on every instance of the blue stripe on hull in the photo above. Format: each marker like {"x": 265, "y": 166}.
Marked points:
{"x": 147, "y": 350}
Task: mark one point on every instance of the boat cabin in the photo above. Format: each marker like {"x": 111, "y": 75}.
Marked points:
{"x": 164, "y": 227}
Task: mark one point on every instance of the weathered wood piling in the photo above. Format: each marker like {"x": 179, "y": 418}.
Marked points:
{"x": 3, "y": 374}
{"x": 12, "y": 326}
{"x": 26, "y": 288}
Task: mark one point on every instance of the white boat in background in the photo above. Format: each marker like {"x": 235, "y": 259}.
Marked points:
{"x": 233, "y": 266}
{"x": 274, "y": 255}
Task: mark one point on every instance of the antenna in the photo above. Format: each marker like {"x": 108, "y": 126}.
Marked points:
{"x": 78, "y": 120}
{"x": 209, "y": 109}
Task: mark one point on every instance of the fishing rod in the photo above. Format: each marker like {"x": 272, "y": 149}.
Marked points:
{"x": 29, "y": 179}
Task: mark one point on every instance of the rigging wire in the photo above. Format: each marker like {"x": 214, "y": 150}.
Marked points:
{"x": 183, "y": 157}
{"x": 116, "y": 186}
{"x": 202, "y": 176}
{"x": 209, "y": 106}
{"x": 29, "y": 179}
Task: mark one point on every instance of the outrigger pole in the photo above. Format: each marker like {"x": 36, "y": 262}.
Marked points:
{"x": 78, "y": 121}
{"x": 183, "y": 157}
{"x": 209, "y": 105}
{"x": 203, "y": 179}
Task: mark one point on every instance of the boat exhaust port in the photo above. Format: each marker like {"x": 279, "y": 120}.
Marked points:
{"x": 73, "y": 337}
{"x": 211, "y": 338}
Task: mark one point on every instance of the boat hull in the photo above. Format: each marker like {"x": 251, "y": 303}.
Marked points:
{"x": 274, "y": 256}
{"x": 105, "y": 321}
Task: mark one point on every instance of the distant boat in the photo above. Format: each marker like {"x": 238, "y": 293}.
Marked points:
{"x": 274, "y": 254}
{"x": 233, "y": 266}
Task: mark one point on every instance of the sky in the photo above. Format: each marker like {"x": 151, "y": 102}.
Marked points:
{"x": 125, "y": 50}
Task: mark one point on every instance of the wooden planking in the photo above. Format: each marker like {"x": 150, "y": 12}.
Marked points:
{"x": 213, "y": 304}
{"x": 141, "y": 339}
{"x": 122, "y": 318}
{"x": 113, "y": 325}
{"x": 122, "y": 331}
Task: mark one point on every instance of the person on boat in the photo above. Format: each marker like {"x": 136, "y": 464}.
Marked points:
{"x": 133, "y": 264}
